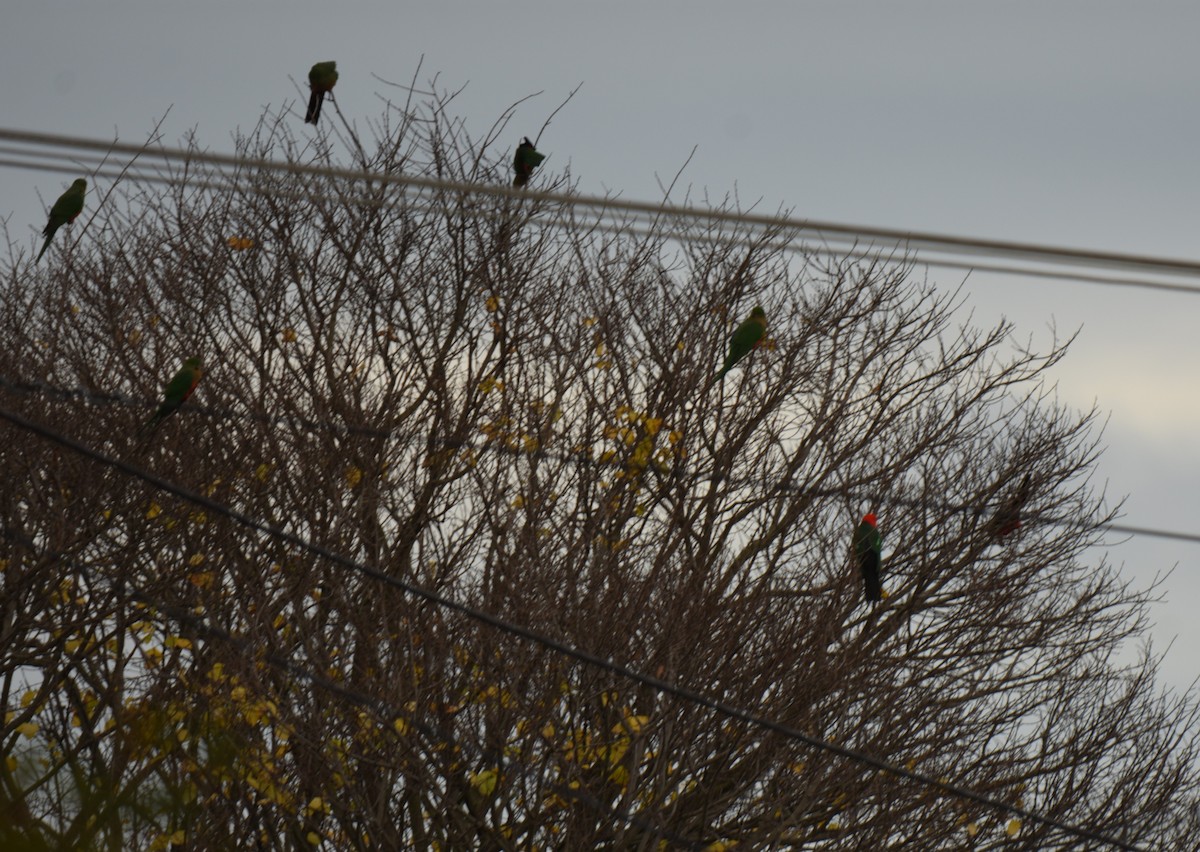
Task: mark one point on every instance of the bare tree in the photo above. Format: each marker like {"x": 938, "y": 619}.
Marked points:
{"x": 512, "y": 402}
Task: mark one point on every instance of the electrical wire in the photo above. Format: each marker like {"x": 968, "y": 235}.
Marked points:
{"x": 382, "y": 708}
{"x": 551, "y": 644}
{"x": 191, "y": 408}
{"x": 826, "y": 232}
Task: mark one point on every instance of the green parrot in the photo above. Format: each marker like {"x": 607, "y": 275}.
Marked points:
{"x": 525, "y": 161}
{"x": 745, "y": 337}
{"x": 321, "y": 79}
{"x": 868, "y": 550}
{"x": 176, "y": 393}
{"x": 68, "y": 206}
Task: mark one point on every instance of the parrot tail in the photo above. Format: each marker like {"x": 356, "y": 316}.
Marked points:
{"x": 314, "y": 106}
{"x": 873, "y": 591}
{"x": 872, "y": 588}
{"x": 45, "y": 246}
{"x": 521, "y": 179}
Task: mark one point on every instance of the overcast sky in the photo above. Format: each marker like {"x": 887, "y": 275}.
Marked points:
{"x": 1072, "y": 123}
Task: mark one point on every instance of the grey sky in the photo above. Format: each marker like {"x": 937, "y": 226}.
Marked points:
{"x": 1072, "y": 123}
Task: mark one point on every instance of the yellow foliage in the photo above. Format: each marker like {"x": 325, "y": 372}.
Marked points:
{"x": 631, "y": 724}
{"x": 401, "y": 727}
{"x": 313, "y": 838}
{"x": 11, "y": 763}
{"x": 262, "y": 472}
{"x": 27, "y": 697}
{"x": 288, "y": 335}
{"x": 588, "y": 322}
{"x": 177, "y": 642}
{"x": 239, "y": 244}
{"x": 153, "y": 511}
{"x": 28, "y": 730}
{"x": 490, "y": 384}
{"x": 353, "y": 477}
{"x": 1013, "y": 828}
{"x": 972, "y": 829}
{"x": 485, "y": 782}
{"x": 493, "y": 304}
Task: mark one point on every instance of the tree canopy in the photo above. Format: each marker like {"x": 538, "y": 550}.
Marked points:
{"x": 511, "y": 402}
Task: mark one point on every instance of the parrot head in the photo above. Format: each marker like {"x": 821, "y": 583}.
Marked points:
{"x": 79, "y": 184}
{"x": 192, "y": 363}
{"x": 869, "y": 519}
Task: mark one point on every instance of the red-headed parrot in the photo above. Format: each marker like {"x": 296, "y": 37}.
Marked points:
{"x": 525, "y": 161}
{"x": 68, "y": 206}
{"x": 321, "y": 79}
{"x": 745, "y": 337}
{"x": 868, "y": 551}
{"x": 176, "y": 393}
{"x": 1007, "y": 519}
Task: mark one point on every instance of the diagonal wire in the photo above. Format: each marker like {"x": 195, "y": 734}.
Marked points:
{"x": 552, "y": 644}
{"x": 384, "y": 709}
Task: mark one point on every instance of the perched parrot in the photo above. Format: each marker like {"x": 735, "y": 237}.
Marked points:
{"x": 321, "y": 79}
{"x": 176, "y": 392}
{"x": 68, "y": 206}
{"x": 745, "y": 337}
{"x": 868, "y": 550}
{"x": 1007, "y": 519}
{"x": 525, "y": 161}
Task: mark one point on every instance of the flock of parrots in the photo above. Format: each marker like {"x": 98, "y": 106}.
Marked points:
{"x": 867, "y": 544}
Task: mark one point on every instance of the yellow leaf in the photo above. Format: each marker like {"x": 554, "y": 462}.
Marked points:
{"x": 313, "y": 838}
{"x": 27, "y": 697}
{"x": 588, "y": 322}
{"x": 262, "y": 472}
{"x": 153, "y": 512}
{"x": 401, "y": 727}
{"x": 197, "y": 560}
{"x": 353, "y": 477}
{"x": 493, "y": 304}
{"x": 1013, "y": 828}
{"x": 72, "y": 645}
{"x": 177, "y": 642}
{"x": 240, "y": 243}
{"x": 653, "y": 424}
{"x": 972, "y": 829}
{"x": 632, "y": 724}
{"x": 485, "y": 782}
{"x": 179, "y": 838}
{"x": 11, "y": 763}
{"x": 28, "y": 730}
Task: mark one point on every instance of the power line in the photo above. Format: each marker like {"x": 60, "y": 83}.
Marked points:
{"x": 900, "y": 240}
{"x": 190, "y": 408}
{"x": 548, "y": 642}
{"x": 382, "y": 708}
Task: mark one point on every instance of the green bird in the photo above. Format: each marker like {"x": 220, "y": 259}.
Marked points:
{"x": 321, "y": 79}
{"x": 68, "y": 206}
{"x": 745, "y": 337}
{"x": 868, "y": 550}
{"x": 176, "y": 393}
{"x": 525, "y": 161}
